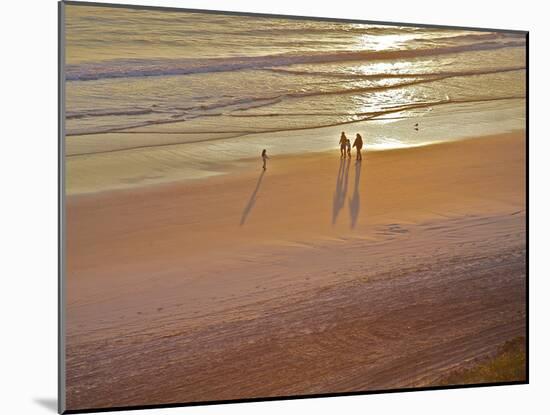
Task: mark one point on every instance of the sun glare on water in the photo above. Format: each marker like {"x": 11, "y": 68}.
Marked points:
{"x": 384, "y": 42}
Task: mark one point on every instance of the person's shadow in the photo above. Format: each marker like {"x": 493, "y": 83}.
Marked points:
{"x": 341, "y": 188}
{"x": 355, "y": 200}
{"x": 252, "y": 199}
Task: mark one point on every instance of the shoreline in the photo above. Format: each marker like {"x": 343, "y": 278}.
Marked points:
{"x": 189, "y": 155}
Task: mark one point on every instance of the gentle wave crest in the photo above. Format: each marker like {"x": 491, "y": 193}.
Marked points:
{"x": 125, "y": 68}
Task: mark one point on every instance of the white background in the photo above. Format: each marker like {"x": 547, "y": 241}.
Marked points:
{"x": 28, "y": 232}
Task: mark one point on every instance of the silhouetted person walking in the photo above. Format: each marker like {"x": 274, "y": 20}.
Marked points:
{"x": 343, "y": 141}
{"x": 264, "y": 157}
{"x": 348, "y": 147}
{"x": 358, "y": 144}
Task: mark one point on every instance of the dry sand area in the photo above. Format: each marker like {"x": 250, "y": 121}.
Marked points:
{"x": 317, "y": 276}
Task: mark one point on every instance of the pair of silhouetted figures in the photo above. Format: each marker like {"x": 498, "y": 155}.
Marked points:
{"x": 345, "y": 146}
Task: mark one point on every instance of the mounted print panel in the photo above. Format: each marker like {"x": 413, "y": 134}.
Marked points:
{"x": 257, "y": 207}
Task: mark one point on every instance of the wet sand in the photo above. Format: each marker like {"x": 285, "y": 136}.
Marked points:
{"x": 319, "y": 275}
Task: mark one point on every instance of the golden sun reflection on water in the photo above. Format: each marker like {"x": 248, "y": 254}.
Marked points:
{"x": 384, "y": 43}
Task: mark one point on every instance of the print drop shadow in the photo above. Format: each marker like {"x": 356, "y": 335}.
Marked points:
{"x": 340, "y": 192}
{"x": 48, "y": 403}
{"x": 252, "y": 199}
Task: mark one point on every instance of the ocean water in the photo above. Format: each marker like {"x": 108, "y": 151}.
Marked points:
{"x": 157, "y": 96}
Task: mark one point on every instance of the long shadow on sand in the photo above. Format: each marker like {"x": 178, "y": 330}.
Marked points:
{"x": 341, "y": 188}
{"x": 252, "y": 199}
{"x": 355, "y": 200}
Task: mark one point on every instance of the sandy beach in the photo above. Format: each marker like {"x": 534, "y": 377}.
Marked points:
{"x": 317, "y": 275}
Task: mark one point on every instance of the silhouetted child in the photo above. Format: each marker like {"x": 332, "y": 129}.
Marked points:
{"x": 348, "y": 147}
{"x": 264, "y": 157}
